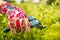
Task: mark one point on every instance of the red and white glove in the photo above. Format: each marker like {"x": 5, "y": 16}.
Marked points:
{"x": 17, "y": 18}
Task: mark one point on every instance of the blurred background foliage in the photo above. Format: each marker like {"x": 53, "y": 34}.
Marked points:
{"x": 47, "y": 11}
